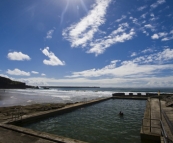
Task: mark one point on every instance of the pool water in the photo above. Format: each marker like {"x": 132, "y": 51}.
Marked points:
{"x": 99, "y": 122}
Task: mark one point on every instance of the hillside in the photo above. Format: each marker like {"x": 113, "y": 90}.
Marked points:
{"x": 8, "y": 83}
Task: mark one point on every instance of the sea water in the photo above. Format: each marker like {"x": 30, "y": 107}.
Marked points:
{"x": 10, "y": 97}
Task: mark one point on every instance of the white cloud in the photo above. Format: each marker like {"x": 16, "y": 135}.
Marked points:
{"x": 145, "y": 32}
{"x": 117, "y": 36}
{"x": 149, "y": 26}
{"x": 135, "y": 81}
{"x": 142, "y": 8}
{"x": 143, "y": 71}
{"x": 2, "y": 75}
{"x": 43, "y": 74}
{"x": 171, "y": 32}
{"x": 34, "y": 72}
{"x": 18, "y": 72}
{"x": 18, "y": 56}
{"x": 53, "y": 60}
{"x": 162, "y": 34}
{"x": 156, "y": 4}
{"x": 159, "y": 35}
{"x": 82, "y": 32}
{"x": 123, "y": 17}
{"x": 49, "y": 34}
{"x": 167, "y": 38}
{"x": 133, "y": 54}
{"x": 147, "y": 50}
{"x": 155, "y": 36}
{"x": 147, "y": 65}
{"x": 144, "y": 15}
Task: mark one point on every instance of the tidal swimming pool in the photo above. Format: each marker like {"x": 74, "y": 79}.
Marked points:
{"x": 98, "y": 123}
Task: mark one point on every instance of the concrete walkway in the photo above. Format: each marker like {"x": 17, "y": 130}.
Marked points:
{"x": 9, "y": 136}
{"x": 151, "y": 122}
{"x": 155, "y": 116}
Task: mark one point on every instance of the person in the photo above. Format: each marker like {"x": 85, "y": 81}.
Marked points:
{"x": 159, "y": 93}
{"x": 121, "y": 113}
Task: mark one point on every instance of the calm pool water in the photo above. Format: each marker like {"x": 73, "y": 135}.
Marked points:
{"x": 98, "y": 123}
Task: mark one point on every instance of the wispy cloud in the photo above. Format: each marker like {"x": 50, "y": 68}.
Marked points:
{"x": 18, "y": 56}
{"x": 148, "y": 50}
{"x": 142, "y": 8}
{"x": 79, "y": 34}
{"x": 53, "y": 60}
{"x": 169, "y": 36}
{"x": 133, "y": 54}
{"x": 18, "y": 72}
{"x": 149, "y": 26}
{"x": 117, "y": 36}
{"x": 144, "y": 15}
{"x": 34, "y": 72}
{"x": 156, "y": 4}
{"x": 49, "y": 34}
{"x": 123, "y": 17}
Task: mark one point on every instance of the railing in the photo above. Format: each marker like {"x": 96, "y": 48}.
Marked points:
{"x": 165, "y": 137}
{"x": 17, "y": 114}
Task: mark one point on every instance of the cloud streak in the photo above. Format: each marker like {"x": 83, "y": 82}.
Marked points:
{"x": 117, "y": 36}
{"x": 156, "y": 4}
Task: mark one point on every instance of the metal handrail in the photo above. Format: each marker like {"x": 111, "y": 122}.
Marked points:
{"x": 165, "y": 137}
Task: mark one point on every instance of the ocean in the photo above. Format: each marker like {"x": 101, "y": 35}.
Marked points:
{"x": 11, "y": 97}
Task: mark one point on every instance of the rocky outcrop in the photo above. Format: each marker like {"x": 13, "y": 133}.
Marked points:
{"x": 8, "y": 83}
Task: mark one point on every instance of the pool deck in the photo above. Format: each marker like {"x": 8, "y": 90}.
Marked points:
{"x": 151, "y": 126}
{"x": 10, "y": 133}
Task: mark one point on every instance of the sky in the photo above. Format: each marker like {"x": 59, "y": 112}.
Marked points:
{"x": 106, "y": 43}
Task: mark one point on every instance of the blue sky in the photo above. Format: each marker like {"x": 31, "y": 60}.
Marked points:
{"x": 110, "y": 43}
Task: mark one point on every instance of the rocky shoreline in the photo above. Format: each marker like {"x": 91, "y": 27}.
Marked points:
{"x": 7, "y": 112}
